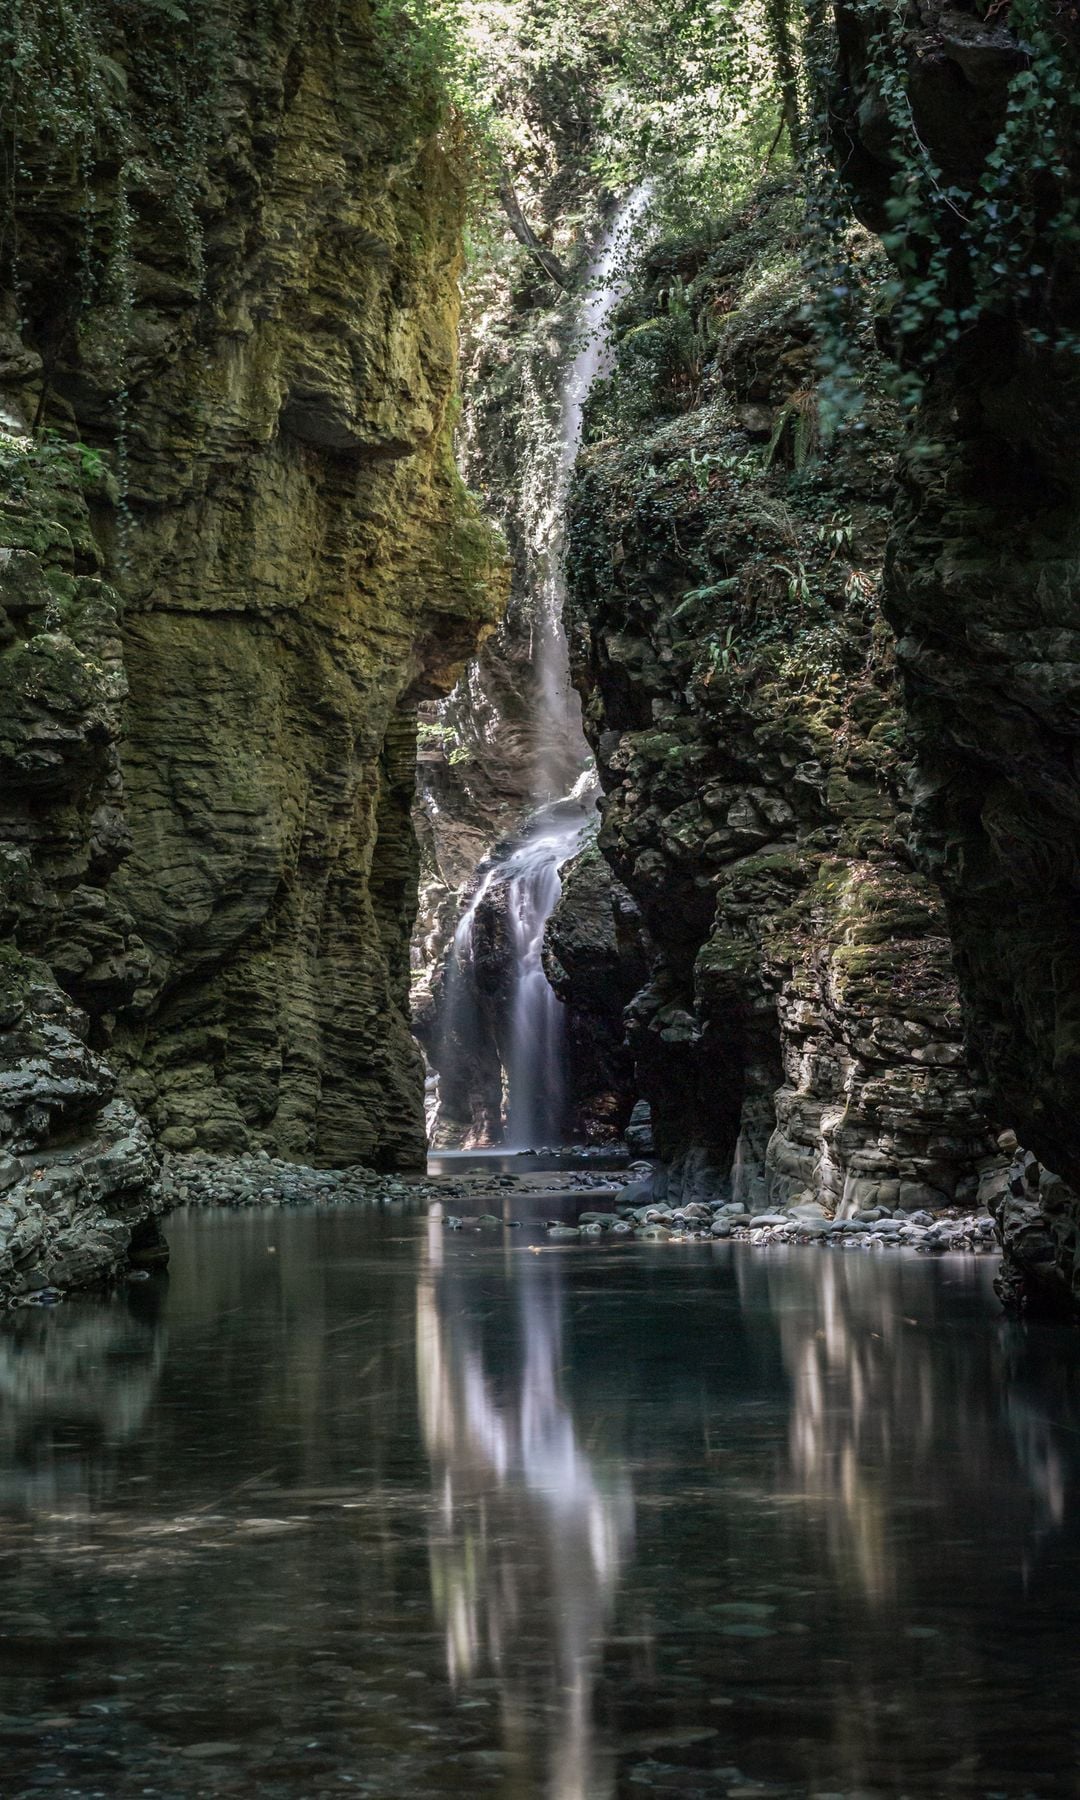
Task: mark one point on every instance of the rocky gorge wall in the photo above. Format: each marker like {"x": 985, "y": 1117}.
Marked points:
{"x": 236, "y": 557}
{"x": 800, "y": 1032}
{"x": 980, "y": 581}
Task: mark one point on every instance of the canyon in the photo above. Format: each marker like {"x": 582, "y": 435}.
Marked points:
{"x": 817, "y": 931}
{"x": 539, "y": 1220}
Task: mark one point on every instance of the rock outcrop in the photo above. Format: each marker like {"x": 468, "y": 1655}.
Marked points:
{"x": 980, "y": 579}
{"x": 237, "y": 556}
{"x": 78, "y": 1171}
{"x": 800, "y": 1031}
{"x": 596, "y": 959}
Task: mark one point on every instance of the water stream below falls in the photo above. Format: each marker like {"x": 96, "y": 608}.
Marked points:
{"x": 524, "y": 876}
{"x": 351, "y": 1503}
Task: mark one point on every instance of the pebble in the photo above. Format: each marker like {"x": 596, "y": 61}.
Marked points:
{"x": 199, "y": 1179}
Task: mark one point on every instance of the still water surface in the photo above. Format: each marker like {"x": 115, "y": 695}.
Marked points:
{"x": 355, "y": 1504}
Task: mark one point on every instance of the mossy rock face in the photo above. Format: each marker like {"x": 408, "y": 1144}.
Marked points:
{"x": 231, "y": 567}
{"x": 980, "y": 583}
{"x": 801, "y": 1023}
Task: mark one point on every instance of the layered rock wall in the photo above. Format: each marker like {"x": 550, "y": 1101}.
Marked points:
{"x": 208, "y": 759}
{"x": 800, "y": 1031}
{"x": 981, "y": 574}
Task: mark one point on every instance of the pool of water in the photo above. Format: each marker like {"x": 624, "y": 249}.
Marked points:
{"x": 353, "y": 1504}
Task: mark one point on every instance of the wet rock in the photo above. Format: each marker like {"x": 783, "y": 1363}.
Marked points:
{"x": 639, "y": 1132}
{"x": 635, "y": 1193}
{"x": 594, "y": 960}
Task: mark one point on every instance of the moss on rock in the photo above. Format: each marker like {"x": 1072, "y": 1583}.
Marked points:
{"x": 740, "y": 692}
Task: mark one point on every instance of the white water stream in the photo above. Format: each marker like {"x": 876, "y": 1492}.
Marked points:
{"x": 529, "y": 870}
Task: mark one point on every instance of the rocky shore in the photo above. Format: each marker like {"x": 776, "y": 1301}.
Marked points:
{"x": 623, "y": 1207}
{"x": 199, "y": 1179}
{"x": 876, "y": 1228}
{"x": 48, "y": 1252}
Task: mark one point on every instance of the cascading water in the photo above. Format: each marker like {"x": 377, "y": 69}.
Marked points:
{"x": 562, "y": 784}
{"x": 534, "y": 1069}
{"x": 561, "y": 750}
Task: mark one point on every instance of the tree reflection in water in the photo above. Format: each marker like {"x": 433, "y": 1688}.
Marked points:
{"x": 884, "y": 1386}
{"x": 532, "y": 1533}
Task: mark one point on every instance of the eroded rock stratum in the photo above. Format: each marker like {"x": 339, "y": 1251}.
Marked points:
{"x": 981, "y": 582}
{"x": 215, "y": 632}
{"x": 800, "y": 1031}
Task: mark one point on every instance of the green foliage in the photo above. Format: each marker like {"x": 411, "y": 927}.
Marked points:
{"x": 797, "y": 424}
{"x": 117, "y": 102}
{"x": 92, "y": 86}
{"x": 720, "y": 283}
{"x": 764, "y": 547}
{"x": 685, "y": 91}
{"x": 438, "y": 734}
{"x": 997, "y": 244}
{"x": 28, "y": 462}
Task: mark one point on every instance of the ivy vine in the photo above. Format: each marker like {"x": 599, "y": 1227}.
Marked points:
{"x": 1001, "y": 244}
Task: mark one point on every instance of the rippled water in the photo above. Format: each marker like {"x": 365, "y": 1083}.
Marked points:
{"x": 352, "y": 1503}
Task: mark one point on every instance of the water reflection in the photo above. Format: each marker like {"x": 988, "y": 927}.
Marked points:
{"x": 76, "y": 1383}
{"x": 368, "y": 1511}
{"x": 883, "y": 1382}
{"x": 532, "y": 1533}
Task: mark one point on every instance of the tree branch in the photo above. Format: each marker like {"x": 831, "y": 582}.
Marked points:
{"x": 525, "y": 234}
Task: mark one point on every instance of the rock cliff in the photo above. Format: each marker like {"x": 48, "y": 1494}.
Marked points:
{"x": 980, "y": 579}
{"x": 237, "y": 556}
{"x": 801, "y": 1028}
{"x": 596, "y": 959}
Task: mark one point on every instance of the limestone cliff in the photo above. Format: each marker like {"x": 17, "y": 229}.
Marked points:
{"x": 239, "y": 556}
{"x": 801, "y": 1028}
{"x": 981, "y": 574}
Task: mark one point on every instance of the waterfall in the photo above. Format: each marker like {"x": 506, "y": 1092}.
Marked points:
{"x": 534, "y": 1068}
{"x": 561, "y": 750}
{"x": 524, "y": 877}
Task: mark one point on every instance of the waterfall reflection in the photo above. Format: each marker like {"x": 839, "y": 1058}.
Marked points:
{"x": 532, "y": 1533}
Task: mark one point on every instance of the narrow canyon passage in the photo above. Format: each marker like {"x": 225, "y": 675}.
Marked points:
{"x": 539, "y": 879}
{"x": 452, "y": 1518}
{"x": 518, "y": 1034}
